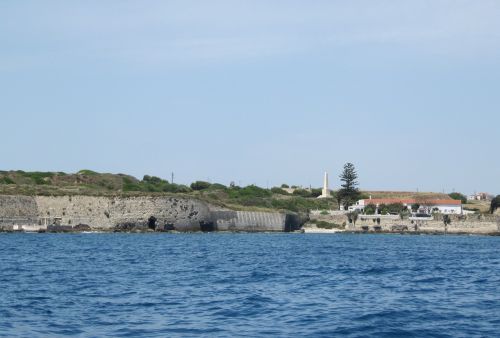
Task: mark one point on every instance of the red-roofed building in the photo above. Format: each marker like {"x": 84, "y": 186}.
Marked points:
{"x": 445, "y": 206}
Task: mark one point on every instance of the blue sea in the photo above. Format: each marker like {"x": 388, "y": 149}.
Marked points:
{"x": 249, "y": 285}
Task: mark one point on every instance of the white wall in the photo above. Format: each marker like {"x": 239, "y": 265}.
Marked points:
{"x": 448, "y": 209}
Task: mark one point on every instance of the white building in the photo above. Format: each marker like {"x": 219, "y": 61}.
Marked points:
{"x": 480, "y": 196}
{"x": 448, "y": 206}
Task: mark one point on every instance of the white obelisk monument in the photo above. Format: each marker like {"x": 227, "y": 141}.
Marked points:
{"x": 325, "y": 193}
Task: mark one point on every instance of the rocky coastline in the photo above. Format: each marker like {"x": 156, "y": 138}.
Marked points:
{"x": 144, "y": 214}
{"x": 339, "y": 221}
{"x": 134, "y": 214}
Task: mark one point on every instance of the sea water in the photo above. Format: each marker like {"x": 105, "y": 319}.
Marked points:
{"x": 254, "y": 285}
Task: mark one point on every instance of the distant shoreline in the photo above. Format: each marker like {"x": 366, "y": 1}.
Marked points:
{"x": 411, "y": 233}
{"x": 304, "y": 231}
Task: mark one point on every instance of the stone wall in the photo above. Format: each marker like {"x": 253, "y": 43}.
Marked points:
{"x": 249, "y": 221}
{"x": 183, "y": 214}
{"x": 18, "y": 209}
{"x": 468, "y": 224}
{"x": 106, "y": 212}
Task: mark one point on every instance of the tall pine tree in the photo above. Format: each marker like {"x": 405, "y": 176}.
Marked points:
{"x": 348, "y": 194}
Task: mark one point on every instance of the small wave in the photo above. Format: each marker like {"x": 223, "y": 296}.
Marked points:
{"x": 378, "y": 270}
{"x": 430, "y": 280}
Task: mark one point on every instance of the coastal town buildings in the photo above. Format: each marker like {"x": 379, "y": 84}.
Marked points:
{"x": 444, "y": 206}
{"x": 480, "y": 196}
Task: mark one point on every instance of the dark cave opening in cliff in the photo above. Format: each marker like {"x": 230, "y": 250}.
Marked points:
{"x": 152, "y": 222}
{"x": 207, "y": 226}
{"x": 292, "y": 223}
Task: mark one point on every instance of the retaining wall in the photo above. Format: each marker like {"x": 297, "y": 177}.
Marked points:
{"x": 469, "y": 224}
{"x": 249, "y": 221}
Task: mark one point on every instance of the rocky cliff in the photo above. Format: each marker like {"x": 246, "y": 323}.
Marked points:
{"x": 182, "y": 214}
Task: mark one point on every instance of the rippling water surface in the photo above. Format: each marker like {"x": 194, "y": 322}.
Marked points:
{"x": 253, "y": 285}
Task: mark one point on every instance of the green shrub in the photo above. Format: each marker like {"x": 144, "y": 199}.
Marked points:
{"x": 395, "y": 208}
{"x": 248, "y": 191}
{"x": 383, "y": 209}
{"x": 6, "y": 180}
{"x": 217, "y": 186}
{"x": 176, "y": 188}
{"x": 302, "y": 192}
{"x": 301, "y": 204}
{"x": 251, "y": 201}
{"x": 200, "y": 185}
{"x": 153, "y": 180}
{"x": 129, "y": 185}
{"x": 316, "y": 192}
{"x": 458, "y": 196}
{"x": 279, "y": 191}
{"x": 152, "y": 188}
{"x": 370, "y": 209}
{"x": 87, "y": 172}
{"x": 39, "y": 178}
{"x": 182, "y": 188}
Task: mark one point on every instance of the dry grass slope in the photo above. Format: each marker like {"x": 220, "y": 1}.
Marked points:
{"x": 406, "y": 195}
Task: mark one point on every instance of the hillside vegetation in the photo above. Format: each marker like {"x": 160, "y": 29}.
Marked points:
{"x": 87, "y": 182}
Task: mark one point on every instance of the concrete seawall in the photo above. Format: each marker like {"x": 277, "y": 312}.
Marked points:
{"x": 164, "y": 212}
{"x": 248, "y": 221}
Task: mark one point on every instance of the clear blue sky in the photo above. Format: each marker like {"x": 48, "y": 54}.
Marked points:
{"x": 253, "y": 91}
